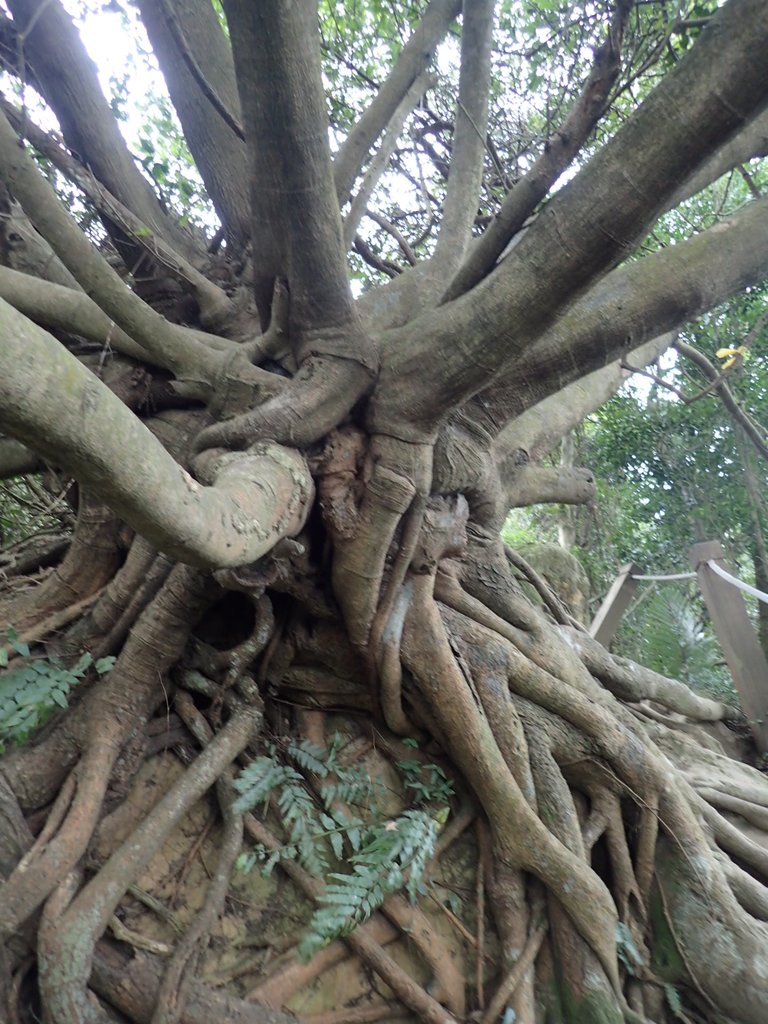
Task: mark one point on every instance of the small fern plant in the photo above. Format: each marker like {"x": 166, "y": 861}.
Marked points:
{"x": 32, "y": 690}
{"x": 381, "y": 854}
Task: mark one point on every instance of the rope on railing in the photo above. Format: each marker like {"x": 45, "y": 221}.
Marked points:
{"x": 673, "y": 576}
{"x": 718, "y": 569}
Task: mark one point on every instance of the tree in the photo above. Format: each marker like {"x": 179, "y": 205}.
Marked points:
{"x": 680, "y": 460}
{"x": 288, "y": 501}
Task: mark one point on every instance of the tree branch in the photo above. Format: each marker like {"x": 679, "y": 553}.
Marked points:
{"x": 534, "y": 485}
{"x": 363, "y": 250}
{"x": 25, "y": 249}
{"x": 465, "y": 175}
{"x": 179, "y": 38}
{"x": 380, "y": 161}
{"x": 394, "y": 232}
{"x": 55, "y": 306}
{"x": 185, "y": 38}
{"x": 187, "y": 353}
{"x": 215, "y": 306}
{"x": 557, "y": 154}
{"x": 16, "y": 459}
{"x": 539, "y": 428}
{"x": 746, "y": 145}
{"x": 70, "y": 84}
{"x": 296, "y": 222}
{"x": 587, "y": 227}
{"x": 71, "y": 418}
{"x": 751, "y": 430}
{"x": 633, "y": 303}
{"x": 414, "y": 59}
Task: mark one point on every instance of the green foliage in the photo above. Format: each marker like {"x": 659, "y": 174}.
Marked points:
{"x": 395, "y": 853}
{"x": 667, "y": 632}
{"x": 671, "y": 473}
{"x": 674, "y": 1002}
{"x": 31, "y": 691}
{"x": 344, "y": 823}
{"x": 626, "y": 949}
{"x": 26, "y": 508}
{"x": 297, "y": 810}
{"x": 166, "y": 160}
{"x": 427, "y": 783}
{"x": 529, "y": 526}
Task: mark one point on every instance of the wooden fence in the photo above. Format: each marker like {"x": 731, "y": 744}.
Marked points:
{"x": 738, "y": 640}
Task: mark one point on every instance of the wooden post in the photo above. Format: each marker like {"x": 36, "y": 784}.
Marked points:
{"x": 611, "y": 611}
{"x": 738, "y": 640}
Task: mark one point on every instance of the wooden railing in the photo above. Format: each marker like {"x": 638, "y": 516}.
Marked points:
{"x": 741, "y": 648}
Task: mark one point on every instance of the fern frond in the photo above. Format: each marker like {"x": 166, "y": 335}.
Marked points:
{"x": 256, "y": 782}
{"x": 310, "y": 757}
{"x": 396, "y": 853}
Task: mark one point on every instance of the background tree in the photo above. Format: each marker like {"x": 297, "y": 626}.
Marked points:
{"x": 289, "y": 493}
{"x": 677, "y": 464}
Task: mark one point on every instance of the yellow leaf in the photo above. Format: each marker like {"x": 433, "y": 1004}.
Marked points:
{"x": 731, "y": 355}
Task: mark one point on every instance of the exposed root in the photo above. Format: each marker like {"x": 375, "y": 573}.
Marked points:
{"x": 551, "y": 601}
{"x": 131, "y": 984}
{"x": 517, "y": 622}
{"x": 390, "y": 669}
{"x": 11, "y": 988}
{"x": 173, "y": 992}
{"x": 28, "y": 556}
{"x": 56, "y": 621}
{"x": 291, "y": 975}
{"x": 480, "y": 940}
{"x": 734, "y": 842}
{"x": 396, "y": 472}
{"x": 754, "y": 813}
{"x": 135, "y": 939}
{"x": 116, "y": 597}
{"x": 633, "y": 683}
{"x": 66, "y": 966}
{"x": 354, "y": 1014}
{"x": 723, "y": 949}
{"x": 510, "y": 982}
{"x": 751, "y": 894}
{"x": 526, "y": 843}
{"x": 120, "y": 704}
{"x": 35, "y": 879}
{"x": 604, "y": 833}
{"x": 448, "y": 983}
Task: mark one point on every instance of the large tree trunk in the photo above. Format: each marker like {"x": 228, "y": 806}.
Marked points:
{"x": 285, "y": 578}
{"x": 593, "y": 819}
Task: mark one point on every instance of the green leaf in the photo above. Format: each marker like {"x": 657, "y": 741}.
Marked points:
{"x": 674, "y": 1001}
{"x": 60, "y": 698}
{"x": 82, "y": 665}
{"x": 626, "y": 949}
